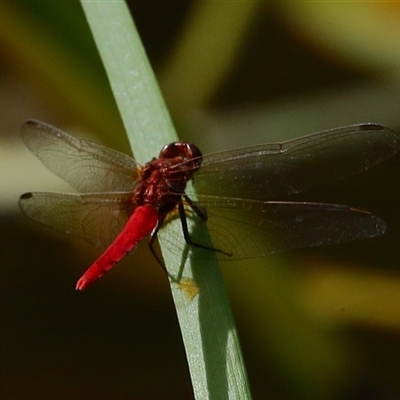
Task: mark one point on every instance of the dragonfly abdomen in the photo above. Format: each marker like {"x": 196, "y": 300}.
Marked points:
{"x": 140, "y": 224}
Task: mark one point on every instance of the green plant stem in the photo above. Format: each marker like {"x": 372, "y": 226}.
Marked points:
{"x": 208, "y": 330}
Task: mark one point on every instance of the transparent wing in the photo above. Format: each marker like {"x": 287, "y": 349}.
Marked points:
{"x": 267, "y": 171}
{"x": 96, "y": 218}
{"x": 248, "y": 229}
{"x": 86, "y": 166}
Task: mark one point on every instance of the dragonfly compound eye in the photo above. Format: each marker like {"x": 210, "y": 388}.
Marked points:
{"x": 182, "y": 149}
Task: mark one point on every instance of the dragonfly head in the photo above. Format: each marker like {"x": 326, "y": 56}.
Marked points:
{"x": 188, "y": 151}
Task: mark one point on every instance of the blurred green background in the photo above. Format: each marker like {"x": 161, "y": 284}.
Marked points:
{"x": 314, "y": 323}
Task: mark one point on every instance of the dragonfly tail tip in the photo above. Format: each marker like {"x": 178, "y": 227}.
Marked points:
{"x": 82, "y": 284}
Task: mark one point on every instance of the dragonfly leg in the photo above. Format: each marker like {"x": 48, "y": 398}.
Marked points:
{"x": 186, "y": 235}
{"x": 200, "y": 211}
{"x": 153, "y": 237}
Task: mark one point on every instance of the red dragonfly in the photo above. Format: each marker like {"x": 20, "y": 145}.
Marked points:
{"x": 123, "y": 201}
